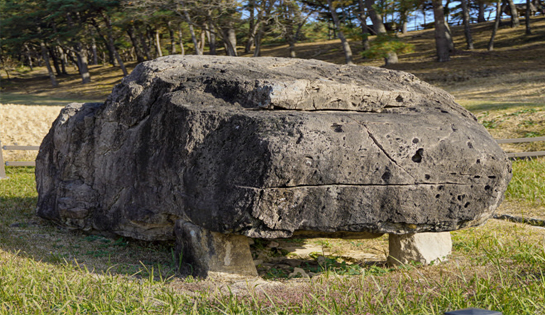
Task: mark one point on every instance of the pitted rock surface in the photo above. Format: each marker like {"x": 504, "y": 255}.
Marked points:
{"x": 265, "y": 147}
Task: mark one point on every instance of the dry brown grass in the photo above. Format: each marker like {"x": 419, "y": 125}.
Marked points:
{"x": 25, "y": 125}
{"x": 35, "y": 85}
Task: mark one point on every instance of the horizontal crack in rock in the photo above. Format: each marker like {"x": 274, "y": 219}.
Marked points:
{"x": 354, "y": 185}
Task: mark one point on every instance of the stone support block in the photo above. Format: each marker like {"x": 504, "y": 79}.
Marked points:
{"x": 424, "y": 248}
{"x": 203, "y": 253}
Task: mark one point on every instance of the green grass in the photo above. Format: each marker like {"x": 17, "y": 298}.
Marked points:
{"x": 528, "y": 182}
{"x": 499, "y": 266}
{"x": 32, "y": 287}
{"x": 481, "y": 106}
{"x": 30, "y": 99}
{"x": 17, "y": 195}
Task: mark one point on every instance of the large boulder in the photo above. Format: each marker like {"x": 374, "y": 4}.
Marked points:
{"x": 269, "y": 147}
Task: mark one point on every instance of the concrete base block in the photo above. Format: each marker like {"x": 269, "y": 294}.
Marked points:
{"x": 419, "y": 247}
{"x": 203, "y": 253}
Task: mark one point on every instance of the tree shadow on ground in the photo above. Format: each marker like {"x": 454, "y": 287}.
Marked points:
{"x": 28, "y": 236}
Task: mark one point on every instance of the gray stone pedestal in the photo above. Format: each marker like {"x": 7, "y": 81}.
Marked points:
{"x": 419, "y": 247}
{"x": 203, "y": 253}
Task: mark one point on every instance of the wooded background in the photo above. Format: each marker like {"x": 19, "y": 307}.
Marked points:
{"x": 59, "y": 33}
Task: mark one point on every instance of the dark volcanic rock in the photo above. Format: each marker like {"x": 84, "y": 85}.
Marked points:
{"x": 266, "y": 147}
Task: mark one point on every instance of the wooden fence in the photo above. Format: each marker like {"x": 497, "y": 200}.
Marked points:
{"x": 521, "y": 140}
{"x": 33, "y": 163}
{"x": 15, "y": 163}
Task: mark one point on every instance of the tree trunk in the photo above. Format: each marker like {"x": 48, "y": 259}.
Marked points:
{"x": 255, "y": 30}
{"x": 230, "y": 39}
{"x": 257, "y": 41}
{"x": 376, "y": 18}
{"x": 48, "y": 66}
{"x": 251, "y": 27}
{"x": 499, "y": 10}
{"x": 515, "y": 22}
{"x": 480, "y": 17}
{"x": 55, "y": 60}
{"x": 441, "y": 35}
{"x": 379, "y": 28}
{"x": 158, "y": 43}
{"x": 106, "y": 43}
{"x": 72, "y": 57}
{"x": 527, "y": 22}
{"x": 467, "y": 29}
{"x": 81, "y": 55}
{"x": 288, "y": 13}
{"x": 149, "y": 37}
{"x": 192, "y": 32}
{"x": 145, "y": 47}
{"x": 137, "y": 51}
{"x": 449, "y": 38}
{"x": 202, "y": 40}
{"x": 64, "y": 60}
{"x": 446, "y": 10}
{"x": 94, "y": 50}
{"x": 111, "y": 43}
{"x": 403, "y": 17}
{"x": 364, "y": 29}
{"x": 180, "y": 38}
{"x": 290, "y": 38}
{"x": 212, "y": 40}
{"x": 29, "y": 58}
{"x": 345, "y": 44}
{"x": 172, "y": 39}
{"x": 3, "y": 62}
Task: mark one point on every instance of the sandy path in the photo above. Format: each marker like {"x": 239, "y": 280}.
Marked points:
{"x": 25, "y": 125}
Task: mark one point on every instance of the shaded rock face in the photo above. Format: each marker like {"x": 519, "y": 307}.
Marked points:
{"x": 265, "y": 147}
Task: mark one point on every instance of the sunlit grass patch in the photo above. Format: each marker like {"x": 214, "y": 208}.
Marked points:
{"x": 528, "y": 182}
{"x": 34, "y": 287}
{"x": 17, "y": 195}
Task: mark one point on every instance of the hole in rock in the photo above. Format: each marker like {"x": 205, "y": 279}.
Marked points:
{"x": 466, "y": 205}
{"x": 399, "y": 98}
{"x": 437, "y": 196}
{"x": 416, "y": 140}
{"x": 337, "y": 127}
{"x": 417, "y": 157}
{"x": 486, "y": 187}
{"x": 386, "y": 176}
{"x": 441, "y": 188}
{"x": 478, "y": 161}
{"x": 492, "y": 176}
{"x": 476, "y": 176}
{"x": 427, "y": 176}
{"x": 470, "y": 145}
